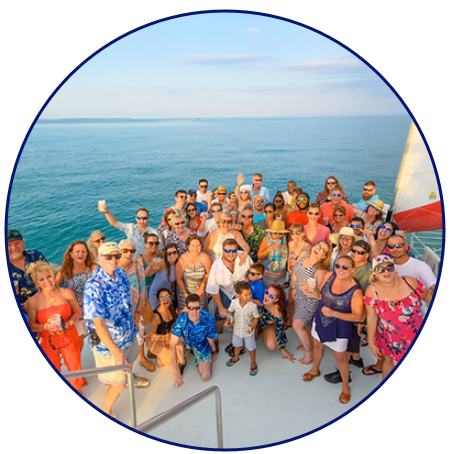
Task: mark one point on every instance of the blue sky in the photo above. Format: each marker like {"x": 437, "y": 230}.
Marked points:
{"x": 223, "y": 65}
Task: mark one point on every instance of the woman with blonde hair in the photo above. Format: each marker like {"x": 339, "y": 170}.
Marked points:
{"x": 78, "y": 266}
{"x": 310, "y": 269}
{"x": 393, "y": 314}
{"x": 53, "y": 312}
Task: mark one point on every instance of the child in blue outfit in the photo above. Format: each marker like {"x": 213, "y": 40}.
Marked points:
{"x": 255, "y": 278}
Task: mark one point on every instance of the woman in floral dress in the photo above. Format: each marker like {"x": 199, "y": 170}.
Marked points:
{"x": 392, "y": 311}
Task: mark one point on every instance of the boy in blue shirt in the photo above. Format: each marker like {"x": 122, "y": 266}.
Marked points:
{"x": 255, "y": 278}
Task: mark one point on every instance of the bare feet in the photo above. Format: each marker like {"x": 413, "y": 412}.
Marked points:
{"x": 300, "y": 348}
{"x": 306, "y": 359}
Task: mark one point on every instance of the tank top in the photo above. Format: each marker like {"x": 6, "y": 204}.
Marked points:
{"x": 302, "y": 273}
{"x": 164, "y": 327}
{"x": 275, "y": 263}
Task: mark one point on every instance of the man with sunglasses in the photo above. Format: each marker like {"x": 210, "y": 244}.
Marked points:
{"x": 202, "y": 193}
{"x": 368, "y": 196}
{"x": 409, "y": 266}
{"x": 133, "y": 232}
{"x": 209, "y": 225}
{"x": 19, "y": 259}
{"x": 224, "y": 273}
{"x": 112, "y": 331}
{"x": 256, "y": 187}
{"x": 251, "y": 231}
{"x": 192, "y": 196}
{"x": 300, "y": 215}
{"x": 195, "y": 330}
{"x": 327, "y": 208}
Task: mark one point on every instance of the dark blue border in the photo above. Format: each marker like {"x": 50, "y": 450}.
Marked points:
{"x": 273, "y": 17}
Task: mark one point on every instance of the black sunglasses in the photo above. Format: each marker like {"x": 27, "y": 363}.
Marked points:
{"x": 338, "y": 266}
{"x": 109, "y": 257}
{"x": 102, "y": 238}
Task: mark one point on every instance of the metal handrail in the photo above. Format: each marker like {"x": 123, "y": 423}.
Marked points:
{"x": 174, "y": 411}
{"x": 102, "y": 370}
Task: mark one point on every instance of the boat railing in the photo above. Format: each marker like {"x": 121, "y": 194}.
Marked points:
{"x": 177, "y": 409}
{"x": 103, "y": 370}
{"x": 427, "y": 246}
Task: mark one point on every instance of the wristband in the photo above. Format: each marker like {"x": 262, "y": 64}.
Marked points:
{"x": 71, "y": 322}
{"x": 138, "y": 312}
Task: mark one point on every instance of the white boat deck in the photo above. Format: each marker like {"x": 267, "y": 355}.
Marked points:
{"x": 273, "y": 406}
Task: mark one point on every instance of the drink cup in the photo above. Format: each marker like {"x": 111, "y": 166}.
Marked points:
{"x": 55, "y": 319}
{"x": 16, "y": 286}
{"x": 325, "y": 220}
{"x": 312, "y": 284}
{"x": 102, "y": 205}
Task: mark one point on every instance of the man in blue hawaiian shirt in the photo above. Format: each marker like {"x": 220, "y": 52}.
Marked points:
{"x": 196, "y": 330}
{"x": 112, "y": 331}
{"x": 19, "y": 259}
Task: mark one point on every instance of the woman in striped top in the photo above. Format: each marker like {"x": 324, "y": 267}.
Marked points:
{"x": 312, "y": 265}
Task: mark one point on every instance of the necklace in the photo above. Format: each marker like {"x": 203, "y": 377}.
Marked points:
{"x": 394, "y": 291}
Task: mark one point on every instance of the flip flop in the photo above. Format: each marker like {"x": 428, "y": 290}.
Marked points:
{"x": 253, "y": 371}
{"x": 372, "y": 368}
{"x": 231, "y": 362}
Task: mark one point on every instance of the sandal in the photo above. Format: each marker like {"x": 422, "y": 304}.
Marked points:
{"x": 148, "y": 365}
{"x": 344, "y": 398}
{"x": 231, "y": 362}
{"x": 85, "y": 382}
{"x": 372, "y": 368}
{"x": 151, "y": 355}
{"x": 229, "y": 349}
{"x": 253, "y": 371}
{"x": 364, "y": 342}
{"x": 308, "y": 376}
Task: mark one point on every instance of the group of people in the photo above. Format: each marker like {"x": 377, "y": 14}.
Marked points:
{"x": 336, "y": 273}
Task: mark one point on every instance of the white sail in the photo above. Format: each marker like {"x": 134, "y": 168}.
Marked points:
{"x": 417, "y": 206}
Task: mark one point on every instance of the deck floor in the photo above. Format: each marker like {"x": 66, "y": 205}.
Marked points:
{"x": 273, "y": 406}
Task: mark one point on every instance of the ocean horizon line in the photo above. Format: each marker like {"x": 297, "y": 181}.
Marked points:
{"x": 223, "y": 118}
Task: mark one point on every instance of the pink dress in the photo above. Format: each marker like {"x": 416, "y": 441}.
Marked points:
{"x": 398, "y": 322}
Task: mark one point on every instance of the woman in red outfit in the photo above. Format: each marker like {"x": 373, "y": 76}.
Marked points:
{"x": 53, "y": 312}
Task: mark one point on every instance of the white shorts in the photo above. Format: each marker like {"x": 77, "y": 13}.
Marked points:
{"x": 250, "y": 341}
{"x": 339, "y": 345}
{"x": 81, "y": 327}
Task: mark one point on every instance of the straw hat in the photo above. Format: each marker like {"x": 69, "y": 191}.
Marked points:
{"x": 378, "y": 204}
{"x": 345, "y": 231}
{"x": 278, "y": 226}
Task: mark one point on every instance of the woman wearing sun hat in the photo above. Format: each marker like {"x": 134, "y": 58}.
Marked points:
{"x": 373, "y": 215}
{"x": 392, "y": 307}
{"x": 344, "y": 241}
{"x": 273, "y": 252}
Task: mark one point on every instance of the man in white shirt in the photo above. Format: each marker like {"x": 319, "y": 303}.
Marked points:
{"x": 288, "y": 199}
{"x": 409, "y": 266}
{"x": 202, "y": 193}
{"x": 209, "y": 225}
{"x": 224, "y": 273}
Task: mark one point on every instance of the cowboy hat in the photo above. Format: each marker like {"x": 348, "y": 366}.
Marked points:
{"x": 345, "y": 231}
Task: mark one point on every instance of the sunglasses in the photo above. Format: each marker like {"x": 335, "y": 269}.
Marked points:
{"x": 259, "y": 201}
{"x": 172, "y": 253}
{"x": 356, "y": 226}
{"x": 182, "y": 197}
{"x": 221, "y": 193}
{"x": 14, "y": 234}
{"x": 203, "y": 186}
{"x": 298, "y": 232}
{"x": 314, "y": 213}
{"x": 196, "y": 308}
{"x": 338, "y": 266}
{"x": 279, "y": 201}
{"x": 217, "y": 210}
{"x": 268, "y": 211}
{"x": 153, "y": 243}
{"x": 270, "y": 295}
{"x": 330, "y": 182}
{"x": 355, "y": 251}
{"x": 163, "y": 298}
{"x": 102, "y": 238}
{"x": 225, "y": 221}
{"x": 177, "y": 224}
{"x": 303, "y": 199}
{"x": 142, "y": 217}
{"x": 381, "y": 269}
{"x": 244, "y": 192}
{"x": 339, "y": 215}
{"x": 126, "y": 251}
{"x": 192, "y": 210}
{"x": 397, "y": 246}
{"x": 368, "y": 189}
{"x": 109, "y": 257}
{"x": 336, "y": 194}
{"x": 228, "y": 251}
{"x": 320, "y": 248}
{"x": 346, "y": 238}
{"x": 388, "y": 229}
{"x": 249, "y": 216}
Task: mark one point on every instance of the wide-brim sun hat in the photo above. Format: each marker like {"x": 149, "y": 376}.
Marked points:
{"x": 378, "y": 204}
{"x": 345, "y": 231}
{"x": 278, "y": 226}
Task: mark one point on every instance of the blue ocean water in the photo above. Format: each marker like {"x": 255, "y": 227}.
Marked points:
{"x": 68, "y": 165}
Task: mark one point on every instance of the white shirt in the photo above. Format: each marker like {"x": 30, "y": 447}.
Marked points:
{"x": 201, "y": 198}
{"x": 243, "y": 317}
{"x": 220, "y": 278}
{"x": 209, "y": 227}
{"x": 417, "y": 269}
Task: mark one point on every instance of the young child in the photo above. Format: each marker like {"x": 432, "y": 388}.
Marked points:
{"x": 255, "y": 278}
{"x": 245, "y": 318}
